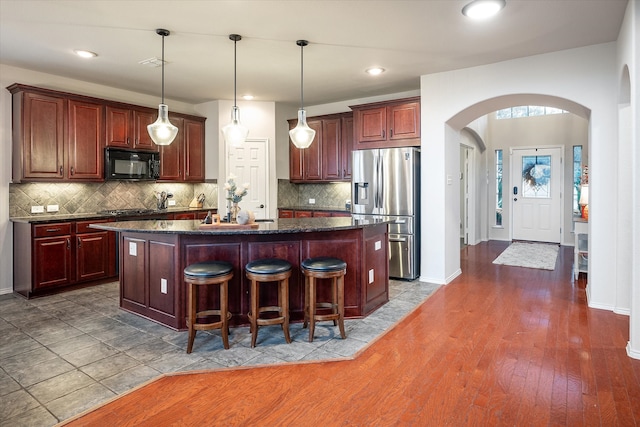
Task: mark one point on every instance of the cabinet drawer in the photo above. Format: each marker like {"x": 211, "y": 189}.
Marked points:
{"x": 83, "y": 226}
{"x": 54, "y": 229}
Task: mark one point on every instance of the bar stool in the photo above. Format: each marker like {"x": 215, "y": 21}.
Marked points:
{"x": 205, "y": 274}
{"x": 324, "y": 268}
{"x": 262, "y": 271}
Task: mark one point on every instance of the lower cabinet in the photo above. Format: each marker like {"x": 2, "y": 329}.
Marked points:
{"x": 151, "y": 282}
{"x": 55, "y": 255}
{"x": 149, "y": 279}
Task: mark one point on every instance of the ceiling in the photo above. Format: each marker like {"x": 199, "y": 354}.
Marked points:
{"x": 407, "y": 38}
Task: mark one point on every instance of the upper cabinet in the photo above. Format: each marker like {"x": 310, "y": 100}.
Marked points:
{"x": 183, "y": 159}
{"x": 127, "y": 128}
{"x": 387, "y": 124}
{"x": 56, "y": 138}
{"x": 328, "y": 159}
{"x": 60, "y": 137}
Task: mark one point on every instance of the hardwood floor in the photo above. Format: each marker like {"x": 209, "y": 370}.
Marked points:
{"x": 498, "y": 346}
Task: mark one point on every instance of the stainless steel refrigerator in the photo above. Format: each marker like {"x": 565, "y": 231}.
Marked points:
{"x": 385, "y": 184}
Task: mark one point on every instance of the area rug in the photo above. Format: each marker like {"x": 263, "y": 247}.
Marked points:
{"x": 529, "y": 255}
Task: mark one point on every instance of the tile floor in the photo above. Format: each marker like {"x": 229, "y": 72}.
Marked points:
{"x": 63, "y": 354}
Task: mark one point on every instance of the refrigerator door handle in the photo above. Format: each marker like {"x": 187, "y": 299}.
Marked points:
{"x": 381, "y": 184}
{"x": 376, "y": 179}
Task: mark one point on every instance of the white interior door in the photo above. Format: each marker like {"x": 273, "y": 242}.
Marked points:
{"x": 464, "y": 194}
{"x": 536, "y": 194}
{"x": 249, "y": 163}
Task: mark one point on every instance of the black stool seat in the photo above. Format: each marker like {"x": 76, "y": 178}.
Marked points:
{"x": 204, "y": 270}
{"x": 324, "y": 264}
{"x": 268, "y": 266}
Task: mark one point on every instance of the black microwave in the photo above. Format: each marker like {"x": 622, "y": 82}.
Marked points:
{"x": 131, "y": 165}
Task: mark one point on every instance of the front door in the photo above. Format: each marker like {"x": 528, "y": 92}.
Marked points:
{"x": 536, "y": 194}
{"x": 249, "y": 164}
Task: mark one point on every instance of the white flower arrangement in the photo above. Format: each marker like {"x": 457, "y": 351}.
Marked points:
{"x": 235, "y": 193}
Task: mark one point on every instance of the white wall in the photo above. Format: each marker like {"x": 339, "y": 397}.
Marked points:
{"x": 628, "y": 90}
{"x": 581, "y": 81}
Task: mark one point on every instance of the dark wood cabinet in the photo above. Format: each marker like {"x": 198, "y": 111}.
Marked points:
{"x": 52, "y": 262}
{"x": 127, "y": 127}
{"x": 95, "y": 252}
{"x": 329, "y": 156}
{"x": 60, "y": 137}
{"x": 85, "y": 148}
{"x": 295, "y": 213}
{"x": 387, "y": 124}
{"x": 183, "y": 159}
{"x": 55, "y": 255}
{"x": 55, "y": 138}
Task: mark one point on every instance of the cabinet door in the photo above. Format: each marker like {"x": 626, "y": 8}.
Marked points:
{"x": 331, "y": 150}
{"x": 295, "y": 163}
{"x": 43, "y": 137}
{"x": 404, "y": 121}
{"x": 85, "y": 141}
{"x": 312, "y": 156}
{"x": 346, "y": 146}
{"x": 52, "y": 262}
{"x": 92, "y": 256}
{"x": 133, "y": 288}
{"x": 118, "y": 127}
{"x": 193, "y": 150}
{"x": 141, "y": 138}
{"x": 372, "y": 125}
{"x": 171, "y": 155}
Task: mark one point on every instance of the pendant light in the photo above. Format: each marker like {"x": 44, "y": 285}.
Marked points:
{"x": 162, "y": 132}
{"x": 234, "y": 133}
{"x": 302, "y": 135}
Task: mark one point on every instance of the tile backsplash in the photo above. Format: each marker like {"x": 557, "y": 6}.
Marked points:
{"x": 73, "y": 198}
{"x": 332, "y": 195}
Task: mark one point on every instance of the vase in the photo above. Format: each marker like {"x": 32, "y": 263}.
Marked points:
{"x": 234, "y": 211}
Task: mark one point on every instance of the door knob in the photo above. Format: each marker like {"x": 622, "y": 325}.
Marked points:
{"x": 261, "y": 206}
{"x": 515, "y": 199}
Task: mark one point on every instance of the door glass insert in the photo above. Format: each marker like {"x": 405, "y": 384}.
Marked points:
{"x": 536, "y": 176}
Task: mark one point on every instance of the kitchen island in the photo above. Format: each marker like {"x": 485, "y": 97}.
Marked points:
{"x": 154, "y": 253}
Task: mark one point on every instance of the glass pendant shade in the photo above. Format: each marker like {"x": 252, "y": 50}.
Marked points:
{"x": 302, "y": 135}
{"x": 162, "y": 132}
{"x": 234, "y": 133}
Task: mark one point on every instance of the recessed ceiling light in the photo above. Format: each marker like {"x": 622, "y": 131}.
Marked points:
{"x": 85, "y": 53}
{"x": 247, "y": 97}
{"x": 483, "y": 9}
{"x": 374, "y": 71}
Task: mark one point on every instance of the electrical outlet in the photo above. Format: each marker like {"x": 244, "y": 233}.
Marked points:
{"x": 172, "y": 202}
{"x": 312, "y": 201}
{"x": 52, "y": 208}
{"x": 163, "y": 286}
{"x": 371, "y": 278}
{"x": 37, "y": 209}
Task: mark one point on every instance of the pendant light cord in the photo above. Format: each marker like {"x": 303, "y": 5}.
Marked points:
{"x": 301, "y": 76}
{"x": 163, "y": 69}
{"x": 235, "y": 74}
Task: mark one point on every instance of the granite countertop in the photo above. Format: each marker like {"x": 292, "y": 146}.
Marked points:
{"x": 47, "y": 218}
{"x": 279, "y": 226}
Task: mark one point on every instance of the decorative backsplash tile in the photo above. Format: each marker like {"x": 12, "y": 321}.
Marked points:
{"x": 326, "y": 195}
{"x": 73, "y": 198}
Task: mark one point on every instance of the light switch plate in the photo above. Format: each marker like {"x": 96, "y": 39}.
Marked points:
{"x": 378, "y": 245}
{"x": 37, "y": 209}
{"x": 133, "y": 249}
{"x": 172, "y": 202}
{"x": 163, "y": 286}
{"x": 52, "y": 208}
{"x": 371, "y": 276}
{"x": 312, "y": 201}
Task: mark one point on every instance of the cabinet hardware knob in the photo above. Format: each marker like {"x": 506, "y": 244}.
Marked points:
{"x": 383, "y": 132}
{"x": 61, "y": 170}
{"x": 72, "y": 170}
{"x": 390, "y": 133}
{"x": 79, "y": 242}
{"x": 52, "y": 230}
{"x": 68, "y": 243}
